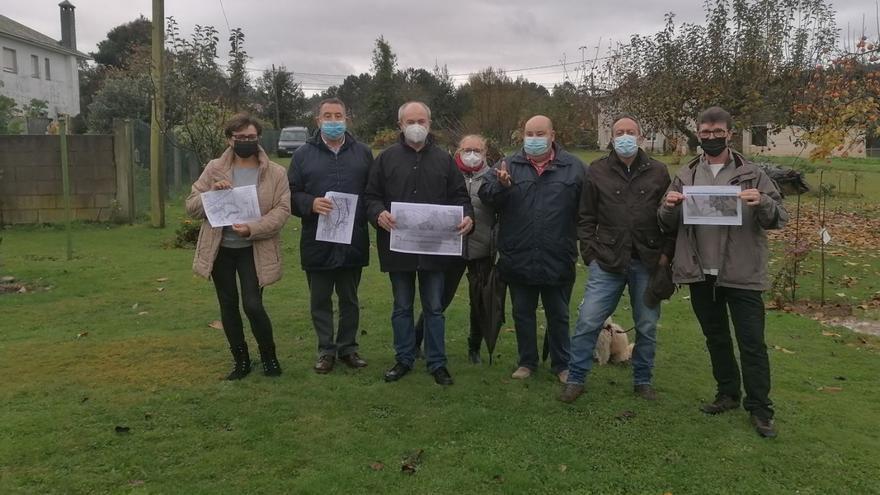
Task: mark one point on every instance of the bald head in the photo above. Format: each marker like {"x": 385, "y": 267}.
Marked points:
{"x": 537, "y": 123}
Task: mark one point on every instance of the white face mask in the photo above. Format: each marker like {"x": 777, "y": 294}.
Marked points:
{"x": 471, "y": 159}
{"x": 415, "y": 133}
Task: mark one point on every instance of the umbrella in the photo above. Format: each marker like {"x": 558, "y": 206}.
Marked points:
{"x": 491, "y": 293}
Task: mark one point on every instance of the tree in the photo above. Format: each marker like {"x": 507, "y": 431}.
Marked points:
{"x": 122, "y": 41}
{"x": 354, "y": 91}
{"x": 282, "y": 99}
{"x": 119, "y": 97}
{"x": 840, "y": 104}
{"x": 36, "y": 108}
{"x": 382, "y": 99}
{"x": 239, "y": 85}
{"x": 8, "y": 113}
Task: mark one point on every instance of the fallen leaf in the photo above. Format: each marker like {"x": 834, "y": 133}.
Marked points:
{"x": 82, "y": 334}
{"x": 563, "y": 468}
{"x": 840, "y": 294}
{"x": 122, "y": 429}
{"x": 136, "y": 482}
{"x": 830, "y": 334}
{"x": 832, "y": 390}
{"x": 377, "y": 466}
{"x": 498, "y": 478}
{"x": 840, "y": 378}
{"x": 83, "y": 400}
{"x": 148, "y": 416}
{"x": 142, "y": 313}
{"x": 411, "y": 462}
{"x": 160, "y": 289}
{"x": 163, "y": 279}
{"x": 783, "y": 349}
{"x": 686, "y": 298}
{"x": 216, "y": 324}
{"x": 134, "y": 306}
{"x": 625, "y": 415}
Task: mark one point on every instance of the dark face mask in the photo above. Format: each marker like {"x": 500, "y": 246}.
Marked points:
{"x": 245, "y": 149}
{"x": 714, "y": 146}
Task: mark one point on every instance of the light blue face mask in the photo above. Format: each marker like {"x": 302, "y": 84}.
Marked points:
{"x": 536, "y": 145}
{"x": 626, "y": 145}
{"x": 333, "y": 129}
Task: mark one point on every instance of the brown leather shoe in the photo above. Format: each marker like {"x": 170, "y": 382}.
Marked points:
{"x": 722, "y": 403}
{"x": 764, "y": 426}
{"x": 353, "y": 360}
{"x": 645, "y": 391}
{"x": 570, "y": 392}
{"x": 325, "y": 364}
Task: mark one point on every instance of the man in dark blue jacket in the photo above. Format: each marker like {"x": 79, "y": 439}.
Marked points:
{"x": 332, "y": 160}
{"x": 536, "y": 191}
{"x": 415, "y": 170}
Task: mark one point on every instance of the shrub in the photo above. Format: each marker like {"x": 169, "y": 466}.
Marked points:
{"x": 187, "y": 234}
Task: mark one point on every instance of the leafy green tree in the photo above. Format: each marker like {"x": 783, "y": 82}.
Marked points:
{"x": 282, "y": 98}
{"x": 122, "y": 41}
{"x": 382, "y": 99}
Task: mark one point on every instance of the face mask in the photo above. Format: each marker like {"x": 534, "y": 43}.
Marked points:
{"x": 415, "y": 133}
{"x": 714, "y": 146}
{"x": 626, "y": 145}
{"x": 332, "y": 129}
{"x": 471, "y": 159}
{"x": 536, "y": 145}
{"x": 245, "y": 149}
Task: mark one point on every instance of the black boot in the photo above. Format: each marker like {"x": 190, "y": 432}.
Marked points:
{"x": 242, "y": 362}
{"x": 271, "y": 366}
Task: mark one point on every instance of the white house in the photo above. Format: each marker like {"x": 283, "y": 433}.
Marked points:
{"x": 35, "y": 66}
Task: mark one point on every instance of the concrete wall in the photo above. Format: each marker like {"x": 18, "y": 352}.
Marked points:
{"x": 784, "y": 143}
{"x": 31, "y": 180}
{"x": 61, "y": 90}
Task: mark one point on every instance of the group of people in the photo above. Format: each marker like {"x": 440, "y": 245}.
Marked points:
{"x": 523, "y": 219}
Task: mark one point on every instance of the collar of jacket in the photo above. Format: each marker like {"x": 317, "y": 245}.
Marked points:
{"x": 558, "y": 160}
{"x": 317, "y": 141}
{"x": 639, "y": 163}
{"x": 429, "y": 141}
{"x": 478, "y": 173}
{"x": 744, "y": 169}
{"x": 228, "y": 155}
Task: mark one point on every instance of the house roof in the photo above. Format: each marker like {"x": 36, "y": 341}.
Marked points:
{"x": 21, "y": 32}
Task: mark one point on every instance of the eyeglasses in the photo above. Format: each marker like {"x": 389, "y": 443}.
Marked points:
{"x": 244, "y": 137}
{"x": 471, "y": 150}
{"x": 718, "y": 133}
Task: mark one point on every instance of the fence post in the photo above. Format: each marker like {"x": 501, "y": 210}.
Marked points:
{"x": 123, "y": 143}
{"x": 65, "y": 181}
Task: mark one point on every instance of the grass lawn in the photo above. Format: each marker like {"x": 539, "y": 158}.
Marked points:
{"x": 119, "y": 337}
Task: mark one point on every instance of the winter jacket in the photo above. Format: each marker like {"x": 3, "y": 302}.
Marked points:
{"x": 537, "y": 237}
{"x": 618, "y": 212}
{"x": 315, "y": 170}
{"x": 744, "y": 250}
{"x": 273, "y": 195}
{"x": 480, "y": 239}
{"x": 402, "y": 174}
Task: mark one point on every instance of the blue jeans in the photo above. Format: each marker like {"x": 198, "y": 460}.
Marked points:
{"x": 601, "y": 296}
{"x": 403, "y": 286}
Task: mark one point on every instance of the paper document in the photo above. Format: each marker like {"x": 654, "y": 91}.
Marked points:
{"x": 712, "y": 205}
{"x": 426, "y": 229}
{"x": 228, "y": 206}
{"x": 338, "y": 225}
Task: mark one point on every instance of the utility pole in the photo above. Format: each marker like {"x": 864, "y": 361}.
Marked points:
{"x": 157, "y": 138}
{"x": 275, "y": 91}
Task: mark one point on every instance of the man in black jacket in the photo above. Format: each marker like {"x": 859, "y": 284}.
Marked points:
{"x": 414, "y": 170}
{"x": 332, "y": 160}
{"x": 536, "y": 192}
{"x": 622, "y": 244}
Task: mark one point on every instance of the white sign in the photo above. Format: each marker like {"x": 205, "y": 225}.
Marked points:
{"x": 824, "y": 235}
{"x": 338, "y": 225}
{"x": 229, "y": 206}
{"x": 426, "y": 229}
{"x": 712, "y": 205}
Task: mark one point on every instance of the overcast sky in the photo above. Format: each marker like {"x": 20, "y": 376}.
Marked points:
{"x": 335, "y": 38}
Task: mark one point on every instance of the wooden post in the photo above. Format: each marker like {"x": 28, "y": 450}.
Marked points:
{"x": 65, "y": 182}
{"x": 157, "y": 141}
{"x": 123, "y": 155}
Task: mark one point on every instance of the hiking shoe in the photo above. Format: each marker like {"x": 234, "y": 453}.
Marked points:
{"x": 521, "y": 373}
{"x": 722, "y": 403}
{"x": 645, "y": 391}
{"x": 764, "y": 426}
{"x": 570, "y": 392}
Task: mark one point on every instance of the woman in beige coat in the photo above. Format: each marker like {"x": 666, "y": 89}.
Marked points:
{"x": 251, "y": 250}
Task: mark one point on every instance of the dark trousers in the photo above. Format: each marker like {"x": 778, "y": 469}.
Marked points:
{"x": 228, "y": 263}
{"x": 555, "y": 299}
{"x": 321, "y": 286}
{"x": 711, "y": 305}
{"x": 452, "y": 277}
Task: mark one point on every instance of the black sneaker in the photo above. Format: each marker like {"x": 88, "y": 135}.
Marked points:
{"x": 442, "y": 376}
{"x": 764, "y": 426}
{"x": 271, "y": 367}
{"x": 398, "y": 371}
{"x": 722, "y": 403}
{"x": 474, "y": 357}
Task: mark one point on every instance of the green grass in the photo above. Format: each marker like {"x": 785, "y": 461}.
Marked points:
{"x": 159, "y": 373}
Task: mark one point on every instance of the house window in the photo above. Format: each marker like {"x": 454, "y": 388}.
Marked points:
{"x": 759, "y": 135}
{"x": 48, "y": 72}
{"x": 10, "y": 64}
{"x": 35, "y": 66}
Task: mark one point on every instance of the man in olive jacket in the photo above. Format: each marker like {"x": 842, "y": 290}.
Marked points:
{"x": 622, "y": 245}
{"x": 332, "y": 160}
{"x": 415, "y": 170}
{"x": 726, "y": 268}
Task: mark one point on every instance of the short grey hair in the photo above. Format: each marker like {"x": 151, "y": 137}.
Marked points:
{"x": 630, "y": 117}
{"x": 413, "y": 102}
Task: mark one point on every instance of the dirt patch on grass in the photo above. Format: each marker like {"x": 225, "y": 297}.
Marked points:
{"x": 854, "y": 230}
{"x": 9, "y": 285}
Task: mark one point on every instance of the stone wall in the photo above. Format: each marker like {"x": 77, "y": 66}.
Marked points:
{"x": 31, "y": 189}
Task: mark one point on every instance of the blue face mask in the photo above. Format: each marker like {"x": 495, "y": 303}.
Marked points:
{"x": 332, "y": 129}
{"x": 626, "y": 145}
{"x": 536, "y": 145}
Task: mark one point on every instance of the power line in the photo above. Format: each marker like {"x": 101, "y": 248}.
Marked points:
{"x": 228, "y": 29}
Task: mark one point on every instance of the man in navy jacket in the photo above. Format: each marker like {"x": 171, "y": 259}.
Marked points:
{"x": 332, "y": 160}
